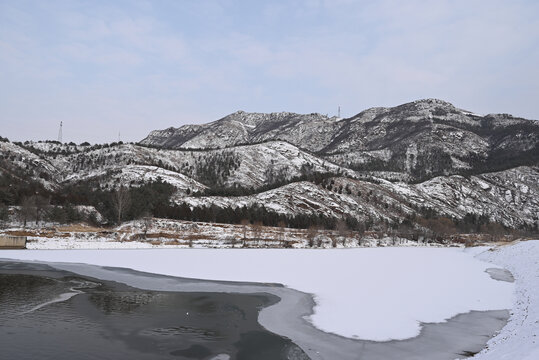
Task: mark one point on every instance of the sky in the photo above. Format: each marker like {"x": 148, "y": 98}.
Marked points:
{"x": 129, "y": 67}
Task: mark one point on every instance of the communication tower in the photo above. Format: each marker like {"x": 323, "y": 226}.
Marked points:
{"x": 60, "y": 133}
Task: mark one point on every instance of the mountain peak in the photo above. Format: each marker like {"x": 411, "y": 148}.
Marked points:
{"x": 433, "y": 101}
{"x": 386, "y": 130}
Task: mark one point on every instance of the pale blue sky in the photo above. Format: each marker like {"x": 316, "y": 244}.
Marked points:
{"x": 133, "y": 66}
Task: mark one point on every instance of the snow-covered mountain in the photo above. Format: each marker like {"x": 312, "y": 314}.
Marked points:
{"x": 509, "y": 197}
{"x": 384, "y": 165}
{"x": 417, "y": 140}
{"x": 245, "y": 166}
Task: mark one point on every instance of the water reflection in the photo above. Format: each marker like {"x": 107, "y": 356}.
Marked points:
{"x": 111, "y": 302}
{"x": 113, "y": 321}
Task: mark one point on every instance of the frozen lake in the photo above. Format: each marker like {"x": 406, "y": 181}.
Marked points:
{"x": 374, "y": 294}
{"x": 335, "y": 303}
{"x": 108, "y": 320}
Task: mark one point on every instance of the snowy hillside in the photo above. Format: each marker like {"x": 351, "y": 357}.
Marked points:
{"x": 509, "y": 197}
{"x": 248, "y": 166}
{"x": 397, "y": 167}
{"x": 241, "y": 128}
{"x": 423, "y": 139}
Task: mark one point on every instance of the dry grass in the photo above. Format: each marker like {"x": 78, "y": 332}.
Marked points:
{"x": 509, "y": 242}
{"x": 161, "y": 235}
{"x": 198, "y": 237}
{"x": 21, "y": 233}
{"x": 38, "y": 233}
{"x": 224, "y": 226}
{"x": 79, "y": 228}
{"x": 53, "y": 234}
{"x": 176, "y": 242}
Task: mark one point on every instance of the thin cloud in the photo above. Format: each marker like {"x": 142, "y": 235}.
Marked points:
{"x": 146, "y": 65}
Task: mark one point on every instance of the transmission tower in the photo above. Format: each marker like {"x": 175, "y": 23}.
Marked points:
{"x": 339, "y": 112}
{"x": 60, "y": 133}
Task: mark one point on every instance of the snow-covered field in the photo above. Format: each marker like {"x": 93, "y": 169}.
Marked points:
{"x": 376, "y": 293}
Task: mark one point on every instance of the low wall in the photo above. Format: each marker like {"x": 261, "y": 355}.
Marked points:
{"x": 12, "y": 242}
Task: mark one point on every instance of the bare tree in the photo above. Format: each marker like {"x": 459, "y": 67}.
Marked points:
{"x": 27, "y": 212}
{"x": 4, "y": 214}
{"x": 41, "y": 205}
{"x": 441, "y": 228}
{"x": 121, "y": 201}
{"x": 394, "y": 236}
{"x": 342, "y": 230}
{"x": 360, "y": 233}
{"x": 244, "y": 224}
{"x": 281, "y": 233}
{"x": 312, "y": 232}
{"x": 359, "y": 239}
{"x": 257, "y": 230}
{"x": 146, "y": 222}
{"x": 495, "y": 230}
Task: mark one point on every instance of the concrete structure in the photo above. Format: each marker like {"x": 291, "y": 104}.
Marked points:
{"x": 12, "y": 242}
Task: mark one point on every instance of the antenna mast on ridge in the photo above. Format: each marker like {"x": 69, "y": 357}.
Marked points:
{"x": 339, "y": 112}
{"x": 60, "y": 133}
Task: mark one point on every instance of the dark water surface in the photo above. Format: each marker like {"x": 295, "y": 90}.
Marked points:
{"x": 52, "y": 314}
{"x": 79, "y": 311}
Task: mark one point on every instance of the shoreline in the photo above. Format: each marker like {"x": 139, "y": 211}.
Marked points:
{"x": 459, "y": 334}
{"x": 519, "y": 338}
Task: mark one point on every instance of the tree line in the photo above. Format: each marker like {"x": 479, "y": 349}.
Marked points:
{"x": 153, "y": 199}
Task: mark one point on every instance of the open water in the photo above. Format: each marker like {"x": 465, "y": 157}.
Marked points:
{"x": 51, "y": 314}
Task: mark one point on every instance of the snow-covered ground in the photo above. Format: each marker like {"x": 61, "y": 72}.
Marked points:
{"x": 376, "y": 293}
{"x": 168, "y": 234}
{"x": 519, "y": 339}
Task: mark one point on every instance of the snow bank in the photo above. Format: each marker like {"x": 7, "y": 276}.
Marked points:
{"x": 377, "y": 294}
{"x": 519, "y": 339}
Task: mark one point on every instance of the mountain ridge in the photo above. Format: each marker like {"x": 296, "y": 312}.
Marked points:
{"x": 443, "y": 139}
{"x": 383, "y": 167}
